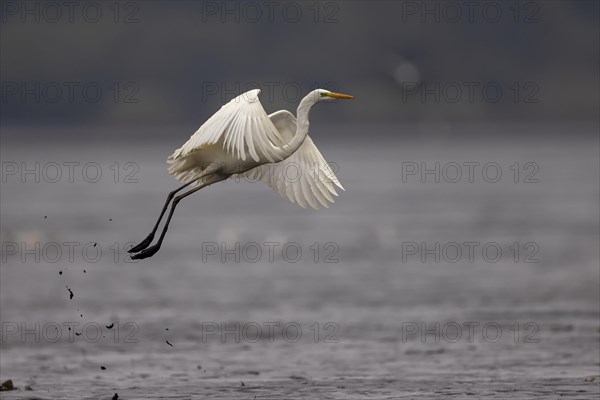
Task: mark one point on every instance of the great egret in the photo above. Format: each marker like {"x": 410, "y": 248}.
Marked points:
{"x": 242, "y": 140}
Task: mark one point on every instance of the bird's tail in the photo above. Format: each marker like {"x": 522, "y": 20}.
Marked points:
{"x": 185, "y": 169}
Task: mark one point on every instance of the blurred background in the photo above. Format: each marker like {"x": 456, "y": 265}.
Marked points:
{"x": 475, "y": 125}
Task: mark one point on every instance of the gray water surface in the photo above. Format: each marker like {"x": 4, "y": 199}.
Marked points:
{"x": 342, "y": 318}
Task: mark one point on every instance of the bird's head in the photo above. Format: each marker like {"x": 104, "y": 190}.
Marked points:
{"x": 324, "y": 95}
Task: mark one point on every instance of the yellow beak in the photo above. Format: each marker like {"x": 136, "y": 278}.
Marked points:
{"x": 339, "y": 96}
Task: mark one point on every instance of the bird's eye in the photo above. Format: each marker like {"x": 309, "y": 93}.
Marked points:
{"x": 322, "y": 94}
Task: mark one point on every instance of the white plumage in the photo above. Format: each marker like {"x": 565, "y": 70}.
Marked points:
{"x": 242, "y": 140}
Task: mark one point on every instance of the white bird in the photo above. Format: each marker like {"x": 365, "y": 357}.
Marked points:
{"x": 242, "y": 140}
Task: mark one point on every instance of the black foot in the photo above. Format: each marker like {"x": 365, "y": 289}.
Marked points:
{"x": 143, "y": 244}
{"x": 149, "y": 252}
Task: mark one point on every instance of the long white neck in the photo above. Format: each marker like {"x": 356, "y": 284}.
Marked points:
{"x": 302, "y": 124}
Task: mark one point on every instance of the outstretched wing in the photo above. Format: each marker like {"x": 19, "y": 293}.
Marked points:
{"x": 304, "y": 177}
{"x": 244, "y": 127}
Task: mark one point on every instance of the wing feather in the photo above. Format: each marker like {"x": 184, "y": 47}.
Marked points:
{"x": 316, "y": 184}
{"x": 244, "y": 127}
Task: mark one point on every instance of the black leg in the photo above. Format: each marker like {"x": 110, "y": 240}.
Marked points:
{"x": 146, "y": 242}
{"x": 150, "y": 251}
